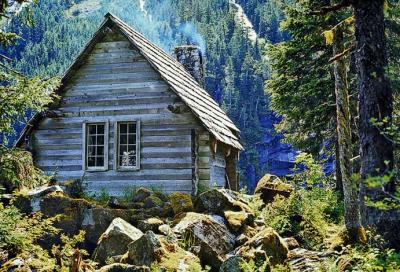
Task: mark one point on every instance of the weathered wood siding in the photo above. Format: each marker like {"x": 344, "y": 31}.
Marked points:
{"x": 116, "y": 83}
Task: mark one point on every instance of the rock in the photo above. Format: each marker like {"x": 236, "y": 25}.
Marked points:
{"x": 152, "y": 202}
{"x": 268, "y": 241}
{"x": 119, "y": 267}
{"x": 291, "y": 242}
{"x": 301, "y": 259}
{"x": 237, "y": 220}
{"x": 150, "y": 224}
{"x": 35, "y": 195}
{"x": 114, "y": 203}
{"x": 232, "y": 264}
{"x": 240, "y": 240}
{"x": 141, "y": 194}
{"x": 165, "y": 230}
{"x": 181, "y": 203}
{"x": 270, "y": 186}
{"x": 146, "y": 250}
{"x": 210, "y": 237}
{"x": 216, "y": 201}
{"x": 177, "y": 259}
{"x": 115, "y": 240}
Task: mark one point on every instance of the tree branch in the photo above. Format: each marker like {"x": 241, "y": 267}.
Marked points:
{"x": 340, "y": 55}
{"x": 333, "y": 8}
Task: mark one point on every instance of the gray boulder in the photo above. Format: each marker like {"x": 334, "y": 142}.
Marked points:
{"x": 271, "y": 186}
{"x": 115, "y": 240}
{"x": 216, "y": 201}
{"x": 145, "y": 250}
{"x": 36, "y": 195}
{"x": 211, "y": 240}
{"x": 268, "y": 241}
{"x": 150, "y": 224}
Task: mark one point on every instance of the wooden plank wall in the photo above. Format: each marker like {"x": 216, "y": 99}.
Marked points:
{"x": 117, "y": 83}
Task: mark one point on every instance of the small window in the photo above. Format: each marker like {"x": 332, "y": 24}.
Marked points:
{"x": 96, "y": 146}
{"x": 128, "y": 145}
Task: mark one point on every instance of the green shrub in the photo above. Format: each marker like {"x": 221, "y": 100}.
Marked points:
{"x": 19, "y": 237}
{"x": 17, "y": 170}
{"x": 305, "y": 214}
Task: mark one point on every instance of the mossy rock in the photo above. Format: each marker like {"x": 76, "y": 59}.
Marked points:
{"x": 237, "y": 220}
{"x": 152, "y": 202}
{"x": 150, "y": 224}
{"x": 268, "y": 241}
{"x": 271, "y": 186}
{"x": 141, "y": 194}
{"x": 181, "y": 202}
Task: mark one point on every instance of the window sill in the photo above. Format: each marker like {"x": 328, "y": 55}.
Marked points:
{"x": 97, "y": 170}
{"x": 129, "y": 169}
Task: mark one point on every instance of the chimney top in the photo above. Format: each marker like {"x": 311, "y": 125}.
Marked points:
{"x": 191, "y": 58}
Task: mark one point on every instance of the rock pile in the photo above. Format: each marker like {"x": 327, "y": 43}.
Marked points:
{"x": 170, "y": 233}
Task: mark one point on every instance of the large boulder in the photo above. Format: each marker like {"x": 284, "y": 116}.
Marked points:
{"x": 267, "y": 241}
{"x": 216, "y": 201}
{"x": 210, "y": 238}
{"x": 150, "y": 224}
{"x": 119, "y": 267}
{"x": 237, "y": 220}
{"x": 141, "y": 194}
{"x": 181, "y": 202}
{"x": 159, "y": 252}
{"x": 115, "y": 240}
{"x": 145, "y": 250}
{"x": 270, "y": 186}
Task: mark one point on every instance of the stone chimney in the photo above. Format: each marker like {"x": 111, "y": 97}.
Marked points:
{"x": 191, "y": 58}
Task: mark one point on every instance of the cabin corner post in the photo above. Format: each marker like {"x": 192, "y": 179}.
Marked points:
{"x": 195, "y": 160}
{"x": 231, "y": 170}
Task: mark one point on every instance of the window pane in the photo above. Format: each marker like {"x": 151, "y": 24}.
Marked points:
{"x": 123, "y": 128}
{"x": 100, "y": 140}
{"x": 100, "y": 129}
{"x": 123, "y": 139}
{"x": 91, "y": 151}
{"x": 91, "y": 161}
{"x": 132, "y": 138}
{"x": 92, "y": 129}
{"x": 132, "y": 128}
{"x": 100, "y": 150}
{"x": 122, "y": 149}
{"x": 92, "y": 140}
{"x": 132, "y": 148}
{"x": 100, "y": 161}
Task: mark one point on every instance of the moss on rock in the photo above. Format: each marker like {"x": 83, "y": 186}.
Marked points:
{"x": 181, "y": 203}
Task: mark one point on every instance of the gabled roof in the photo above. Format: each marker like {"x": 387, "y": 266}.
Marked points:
{"x": 175, "y": 75}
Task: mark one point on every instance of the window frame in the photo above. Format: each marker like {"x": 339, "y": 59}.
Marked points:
{"x": 117, "y": 167}
{"x": 85, "y": 134}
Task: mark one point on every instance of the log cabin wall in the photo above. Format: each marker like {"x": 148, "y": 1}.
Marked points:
{"x": 116, "y": 83}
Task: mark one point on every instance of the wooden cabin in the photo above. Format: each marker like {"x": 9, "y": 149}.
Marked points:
{"x": 129, "y": 114}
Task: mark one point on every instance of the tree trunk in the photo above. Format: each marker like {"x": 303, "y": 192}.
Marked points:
{"x": 350, "y": 188}
{"x": 338, "y": 172}
{"x": 375, "y": 101}
{"x": 375, "y": 94}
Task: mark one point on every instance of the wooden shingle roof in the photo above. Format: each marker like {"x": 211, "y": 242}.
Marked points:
{"x": 175, "y": 75}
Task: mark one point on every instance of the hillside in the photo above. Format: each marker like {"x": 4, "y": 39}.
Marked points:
{"x": 235, "y": 69}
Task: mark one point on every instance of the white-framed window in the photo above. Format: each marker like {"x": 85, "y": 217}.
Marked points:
{"x": 95, "y": 149}
{"x": 127, "y": 139}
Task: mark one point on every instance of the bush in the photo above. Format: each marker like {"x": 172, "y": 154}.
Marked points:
{"x": 19, "y": 236}
{"x": 306, "y": 215}
{"x": 17, "y": 170}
